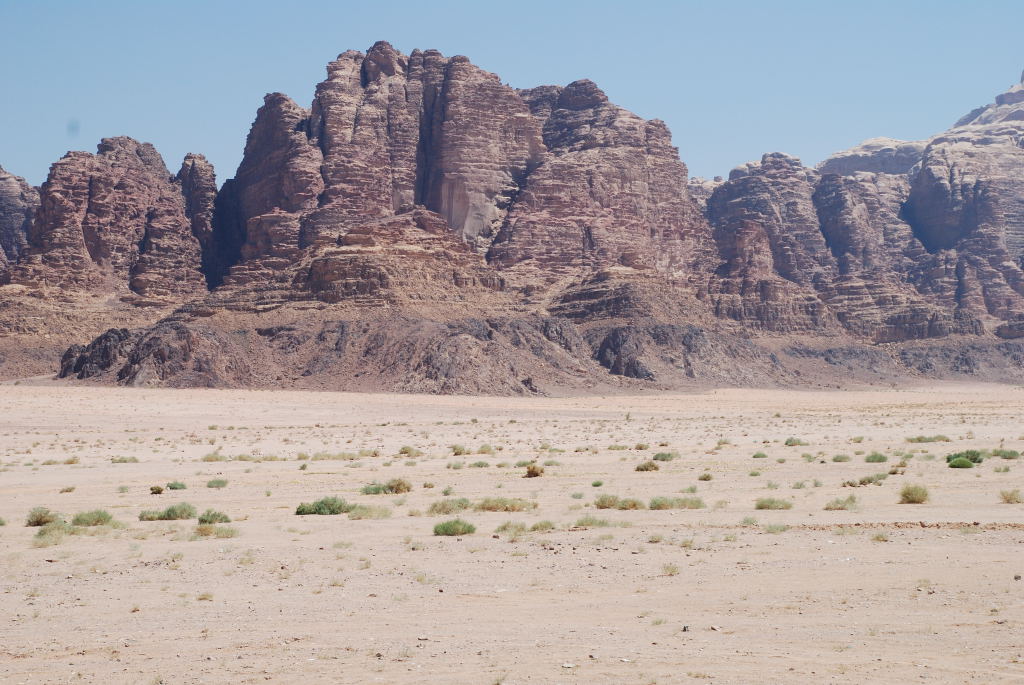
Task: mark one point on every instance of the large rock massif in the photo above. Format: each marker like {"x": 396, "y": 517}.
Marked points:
{"x": 424, "y": 227}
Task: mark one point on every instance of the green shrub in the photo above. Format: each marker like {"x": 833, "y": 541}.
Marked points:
{"x": 647, "y": 466}
{"x": 124, "y": 460}
{"x": 2, "y": 521}
{"x": 665, "y": 456}
{"x": 217, "y": 483}
{"x": 597, "y": 484}
{"x": 760, "y": 455}
{"x": 40, "y": 516}
{"x": 1006, "y": 454}
{"x": 772, "y": 503}
{"x": 542, "y": 526}
{"x": 522, "y": 463}
{"x": 454, "y": 527}
{"x": 328, "y": 506}
{"x": 606, "y": 501}
{"x": 629, "y": 503}
{"x": 961, "y": 463}
{"x": 913, "y": 494}
{"x": 973, "y": 456}
{"x": 841, "y": 458}
{"x": 458, "y": 450}
{"x": 97, "y": 517}
{"x": 794, "y": 442}
{"x": 175, "y": 512}
{"x": 176, "y": 485}
{"x": 408, "y": 451}
{"x": 876, "y": 458}
{"x": 448, "y": 506}
{"x": 211, "y": 516}
{"x": 479, "y": 465}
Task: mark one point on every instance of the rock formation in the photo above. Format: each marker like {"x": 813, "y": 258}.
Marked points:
{"x": 424, "y": 227}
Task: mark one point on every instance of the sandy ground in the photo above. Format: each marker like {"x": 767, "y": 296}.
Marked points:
{"x": 882, "y": 593}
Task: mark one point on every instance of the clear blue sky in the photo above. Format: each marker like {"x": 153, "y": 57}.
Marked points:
{"x": 732, "y": 79}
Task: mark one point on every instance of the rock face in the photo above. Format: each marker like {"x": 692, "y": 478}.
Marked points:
{"x": 18, "y": 204}
{"x": 424, "y": 227}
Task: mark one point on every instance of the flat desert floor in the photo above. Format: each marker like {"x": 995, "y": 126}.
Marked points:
{"x": 552, "y": 588}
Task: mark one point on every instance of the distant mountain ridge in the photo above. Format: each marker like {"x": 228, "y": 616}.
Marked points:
{"x": 424, "y": 227}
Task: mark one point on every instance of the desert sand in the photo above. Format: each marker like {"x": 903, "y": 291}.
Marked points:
{"x": 880, "y": 592}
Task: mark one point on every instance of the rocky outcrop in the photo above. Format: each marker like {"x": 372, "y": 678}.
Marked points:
{"x": 114, "y": 221}
{"x": 18, "y": 204}
{"x": 422, "y": 226}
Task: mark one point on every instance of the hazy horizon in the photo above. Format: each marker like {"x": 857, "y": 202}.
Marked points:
{"x": 732, "y": 82}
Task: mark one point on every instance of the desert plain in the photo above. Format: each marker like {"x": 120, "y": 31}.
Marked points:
{"x": 592, "y": 572}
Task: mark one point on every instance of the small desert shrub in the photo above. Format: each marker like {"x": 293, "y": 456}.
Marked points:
{"x": 647, "y": 466}
{"x": 512, "y": 528}
{"x": 485, "y": 449}
{"x": 913, "y": 494}
{"x": 504, "y": 504}
{"x": 534, "y": 471}
{"x": 175, "y": 512}
{"x": 368, "y": 511}
{"x": 217, "y": 483}
{"x": 214, "y": 456}
{"x": 606, "y": 501}
{"x": 591, "y": 521}
{"x": 71, "y": 460}
{"x": 841, "y": 504}
{"x": 617, "y": 448}
{"x": 665, "y": 456}
{"x": 97, "y": 517}
{"x": 408, "y": 451}
{"x": 841, "y": 458}
{"x": 156, "y": 490}
{"x": 772, "y": 503}
{"x": 522, "y": 463}
{"x": 458, "y": 450}
{"x": 50, "y": 534}
{"x": 479, "y": 465}
{"x": 454, "y": 527}
{"x": 928, "y": 438}
{"x": 876, "y": 458}
{"x": 542, "y": 526}
{"x": 124, "y": 460}
{"x": 754, "y": 473}
{"x": 961, "y": 463}
{"x": 776, "y": 528}
{"x": 973, "y": 456}
{"x": 705, "y": 477}
{"x": 204, "y": 530}
{"x": 577, "y": 495}
{"x": 395, "y": 486}
{"x": 760, "y": 455}
{"x": 67, "y": 489}
{"x": 211, "y": 516}
{"x": 670, "y": 569}
{"x": 661, "y": 503}
{"x": 448, "y": 506}
{"x": 455, "y": 465}
{"x": 794, "y": 442}
{"x": 40, "y": 516}
{"x": 1010, "y": 496}
{"x": 1006, "y": 454}
{"x": 176, "y": 485}
{"x": 629, "y": 503}
{"x": 597, "y": 484}
{"x": 327, "y": 506}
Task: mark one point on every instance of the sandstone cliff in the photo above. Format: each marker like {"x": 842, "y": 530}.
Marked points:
{"x": 422, "y": 226}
